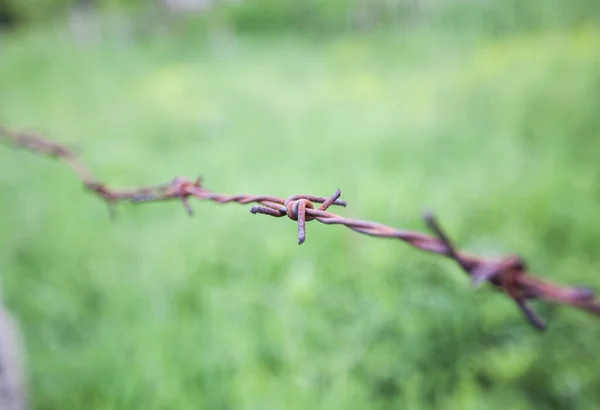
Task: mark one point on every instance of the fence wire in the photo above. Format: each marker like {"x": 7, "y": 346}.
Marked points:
{"x": 509, "y": 274}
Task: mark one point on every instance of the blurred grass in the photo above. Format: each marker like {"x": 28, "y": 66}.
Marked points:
{"x": 222, "y": 311}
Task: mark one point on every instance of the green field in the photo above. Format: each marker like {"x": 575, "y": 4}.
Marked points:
{"x": 500, "y": 136}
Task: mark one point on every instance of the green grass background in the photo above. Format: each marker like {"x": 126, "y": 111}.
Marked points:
{"x": 499, "y": 135}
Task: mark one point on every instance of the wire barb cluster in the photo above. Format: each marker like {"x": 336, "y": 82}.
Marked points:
{"x": 509, "y": 275}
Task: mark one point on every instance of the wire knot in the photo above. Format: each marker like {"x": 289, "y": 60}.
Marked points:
{"x": 178, "y": 188}
{"x": 295, "y": 208}
{"x": 182, "y": 188}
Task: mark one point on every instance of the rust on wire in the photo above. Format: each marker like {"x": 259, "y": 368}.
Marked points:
{"x": 509, "y": 275}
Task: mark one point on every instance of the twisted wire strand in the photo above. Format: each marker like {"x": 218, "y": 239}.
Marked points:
{"x": 509, "y": 274}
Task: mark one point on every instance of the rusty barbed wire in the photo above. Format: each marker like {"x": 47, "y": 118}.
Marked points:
{"x": 509, "y": 275}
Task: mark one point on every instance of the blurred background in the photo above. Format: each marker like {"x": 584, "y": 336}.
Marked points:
{"x": 487, "y": 112}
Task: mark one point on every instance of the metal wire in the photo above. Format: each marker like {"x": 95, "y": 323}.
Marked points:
{"x": 508, "y": 274}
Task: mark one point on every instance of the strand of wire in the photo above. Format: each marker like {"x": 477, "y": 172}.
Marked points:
{"x": 508, "y": 274}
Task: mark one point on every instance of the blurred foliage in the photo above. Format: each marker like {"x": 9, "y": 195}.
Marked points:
{"x": 35, "y": 10}
{"x": 481, "y": 16}
{"x": 499, "y": 134}
{"x": 48, "y": 10}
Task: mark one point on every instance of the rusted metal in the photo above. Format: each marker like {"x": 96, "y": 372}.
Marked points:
{"x": 111, "y": 196}
{"x": 509, "y": 275}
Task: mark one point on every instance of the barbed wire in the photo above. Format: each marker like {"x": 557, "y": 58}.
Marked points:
{"x": 509, "y": 274}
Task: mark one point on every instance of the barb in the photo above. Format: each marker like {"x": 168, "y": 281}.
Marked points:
{"x": 508, "y": 274}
